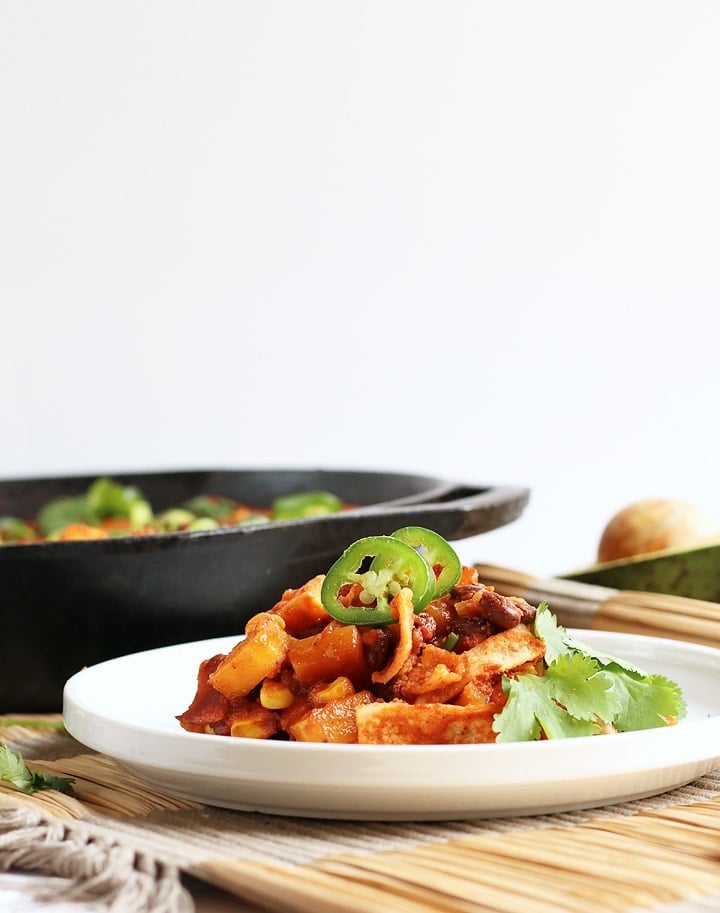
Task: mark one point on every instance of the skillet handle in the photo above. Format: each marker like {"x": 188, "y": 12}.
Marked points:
{"x": 459, "y": 512}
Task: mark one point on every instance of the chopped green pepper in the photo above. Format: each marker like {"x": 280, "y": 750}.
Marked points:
{"x": 104, "y": 500}
{"x": 253, "y": 520}
{"x": 175, "y": 519}
{"x": 56, "y": 514}
{"x": 108, "y": 499}
{"x": 438, "y": 553}
{"x": 305, "y": 504}
{"x": 14, "y": 530}
{"x": 393, "y": 565}
{"x": 214, "y": 506}
{"x": 201, "y": 524}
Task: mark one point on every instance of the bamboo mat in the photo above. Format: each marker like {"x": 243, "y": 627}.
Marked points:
{"x": 660, "y": 854}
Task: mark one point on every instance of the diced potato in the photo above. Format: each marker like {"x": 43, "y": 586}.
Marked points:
{"x": 295, "y": 711}
{"x": 301, "y": 609}
{"x": 259, "y": 656}
{"x": 333, "y": 722}
{"x": 398, "y": 723}
{"x": 336, "y": 650}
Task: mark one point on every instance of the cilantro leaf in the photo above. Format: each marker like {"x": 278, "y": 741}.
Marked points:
{"x": 532, "y": 710}
{"x": 581, "y": 689}
{"x": 518, "y": 720}
{"x": 13, "y": 769}
{"x": 584, "y": 689}
{"x": 558, "y": 641}
{"x": 549, "y": 631}
{"x": 649, "y": 701}
{"x": 604, "y": 659}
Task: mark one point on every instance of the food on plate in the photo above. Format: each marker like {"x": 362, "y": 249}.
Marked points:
{"x": 399, "y": 643}
{"x": 109, "y": 509}
{"x": 653, "y": 525}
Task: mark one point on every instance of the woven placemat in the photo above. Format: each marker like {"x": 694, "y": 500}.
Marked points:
{"x": 122, "y": 843}
{"x": 127, "y": 846}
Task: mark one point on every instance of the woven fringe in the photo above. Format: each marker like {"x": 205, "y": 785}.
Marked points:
{"x": 95, "y": 870}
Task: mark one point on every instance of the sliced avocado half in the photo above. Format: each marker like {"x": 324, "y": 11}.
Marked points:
{"x": 692, "y": 572}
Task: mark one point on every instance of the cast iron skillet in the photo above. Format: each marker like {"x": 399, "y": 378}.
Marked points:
{"x": 65, "y": 605}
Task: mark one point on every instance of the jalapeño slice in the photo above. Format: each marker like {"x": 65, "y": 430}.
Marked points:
{"x": 305, "y": 504}
{"x": 391, "y": 565}
{"x": 438, "y": 553}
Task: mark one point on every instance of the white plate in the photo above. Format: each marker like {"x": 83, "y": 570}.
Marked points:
{"x": 126, "y": 708}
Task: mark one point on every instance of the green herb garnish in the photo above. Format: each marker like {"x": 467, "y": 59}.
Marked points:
{"x": 32, "y": 723}
{"x": 13, "y": 769}
{"x": 582, "y": 692}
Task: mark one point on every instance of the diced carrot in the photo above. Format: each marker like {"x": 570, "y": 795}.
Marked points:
{"x": 116, "y": 525}
{"x": 468, "y": 575}
{"x": 80, "y": 531}
{"x": 336, "y": 650}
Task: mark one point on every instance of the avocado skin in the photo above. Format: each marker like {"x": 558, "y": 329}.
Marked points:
{"x": 694, "y": 573}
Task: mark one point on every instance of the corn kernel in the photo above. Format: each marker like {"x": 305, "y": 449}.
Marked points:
{"x": 276, "y": 695}
{"x": 249, "y": 729}
{"x": 336, "y": 690}
{"x": 253, "y": 722}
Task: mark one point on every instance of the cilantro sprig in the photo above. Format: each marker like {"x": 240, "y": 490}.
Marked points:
{"x": 581, "y": 692}
{"x": 13, "y": 769}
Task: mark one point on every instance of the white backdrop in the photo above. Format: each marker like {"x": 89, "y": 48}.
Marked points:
{"x": 473, "y": 239}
